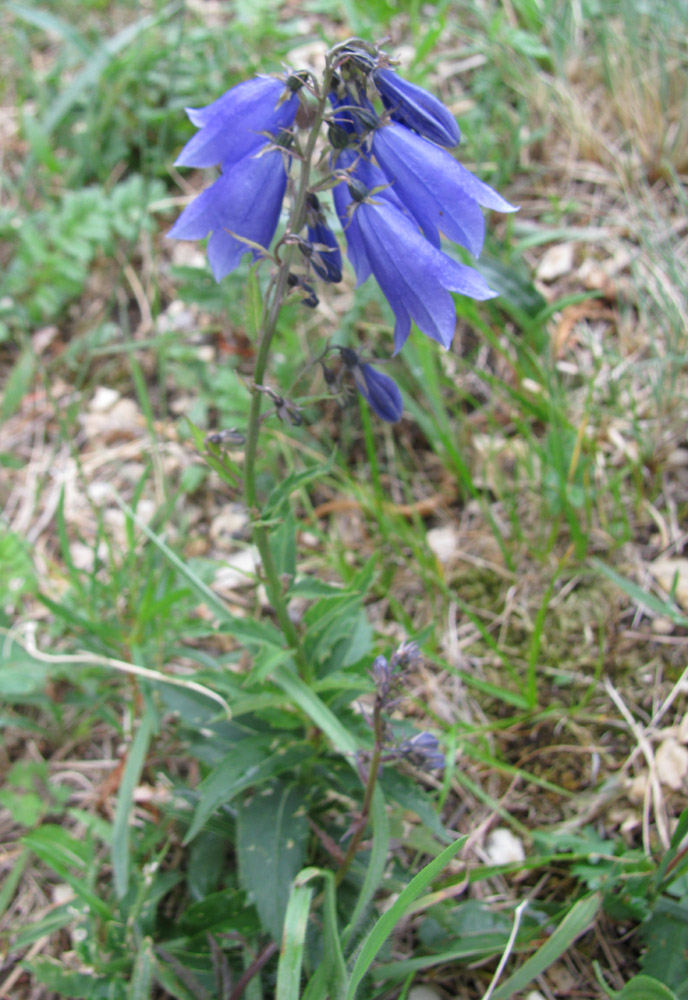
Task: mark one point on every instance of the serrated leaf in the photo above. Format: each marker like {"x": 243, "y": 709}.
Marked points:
{"x": 249, "y": 764}
{"x": 272, "y": 833}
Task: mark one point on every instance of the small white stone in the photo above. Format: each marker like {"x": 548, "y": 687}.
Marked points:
{"x": 104, "y": 398}
{"x": 672, "y": 576}
{"x": 423, "y": 992}
{"x": 557, "y": 261}
{"x": 444, "y": 542}
{"x": 503, "y": 847}
{"x": 240, "y": 570}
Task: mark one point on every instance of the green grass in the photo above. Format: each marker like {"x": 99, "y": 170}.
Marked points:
{"x": 137, "y": 820}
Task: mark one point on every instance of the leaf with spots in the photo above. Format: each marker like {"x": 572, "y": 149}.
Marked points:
{"x": 272, "y": 833}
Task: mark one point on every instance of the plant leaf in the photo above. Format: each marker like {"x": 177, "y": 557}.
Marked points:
{"x": 272, "y": 832}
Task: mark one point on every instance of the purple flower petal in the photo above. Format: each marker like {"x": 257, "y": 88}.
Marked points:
{"x": 415, "y": 277}
{"x": 438, "y": 190}
{"x": 343, "y": 203}
{"x": 416, "y": 108}
{"x": 231, "y": 127}
{"x": 246, "y": 200}
{"x": 327, "y": 261}
{"x": 381, "y": 392}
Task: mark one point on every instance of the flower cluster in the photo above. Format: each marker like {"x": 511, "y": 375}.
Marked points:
{"x": 421, "y": 750}
{"x": 396, "y": 189}
{"x": 400, "y": 189}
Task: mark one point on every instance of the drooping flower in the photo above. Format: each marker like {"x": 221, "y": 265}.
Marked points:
{"x": 380, "y": 391}
{"x": 416, "y": 108}
{"x": 244, "y": 201}
{"x": 423, "y": 750}
{"x": 441, "y": 194}
{"x": 239, "y": 123}
{"x": 415, "y": 277}
{"x": 323, "y": 249}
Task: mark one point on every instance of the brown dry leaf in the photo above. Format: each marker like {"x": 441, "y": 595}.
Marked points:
{"x": 572, "y": 315}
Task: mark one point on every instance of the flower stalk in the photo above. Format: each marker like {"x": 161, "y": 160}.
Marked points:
{"x": 271, "y": 311}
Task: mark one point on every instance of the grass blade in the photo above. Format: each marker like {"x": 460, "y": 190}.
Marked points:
{"x": 120, "y": 828}
{"x": 576, "y": 922}
{"x": 294, "y": 939}
{"x": 388, "y": 921}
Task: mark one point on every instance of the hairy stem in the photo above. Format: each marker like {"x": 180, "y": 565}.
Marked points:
{"x": 271, "y": 311}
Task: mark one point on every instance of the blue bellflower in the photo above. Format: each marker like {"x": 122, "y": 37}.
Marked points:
{"x": 246, "y": 200}
{"x": 238, "y": 131}
{"x": 415, "y": 277}
{"x": 380, "y": 391}
{"x": 440, "y": 193}
{"x": 423, "y": 750}
{"x": 238, "y": 123}
{"x": 416, "y": 108}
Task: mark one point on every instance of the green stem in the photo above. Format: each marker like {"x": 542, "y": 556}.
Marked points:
{"x": 362, "y": 821}
{"x": 273, "y": 305}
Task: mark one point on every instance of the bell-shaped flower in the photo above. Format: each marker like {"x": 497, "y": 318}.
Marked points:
{"x": 380, "y": 391}
{"x": 322, "y": 248}
{"x": 441, "y": 194}
{"x": 415, "y": 277}
{"x": 416, "y": 108}
{"x": 239, "y": 123}
{"x": 244, "y": 201}
{"x": 423, "y": 750}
